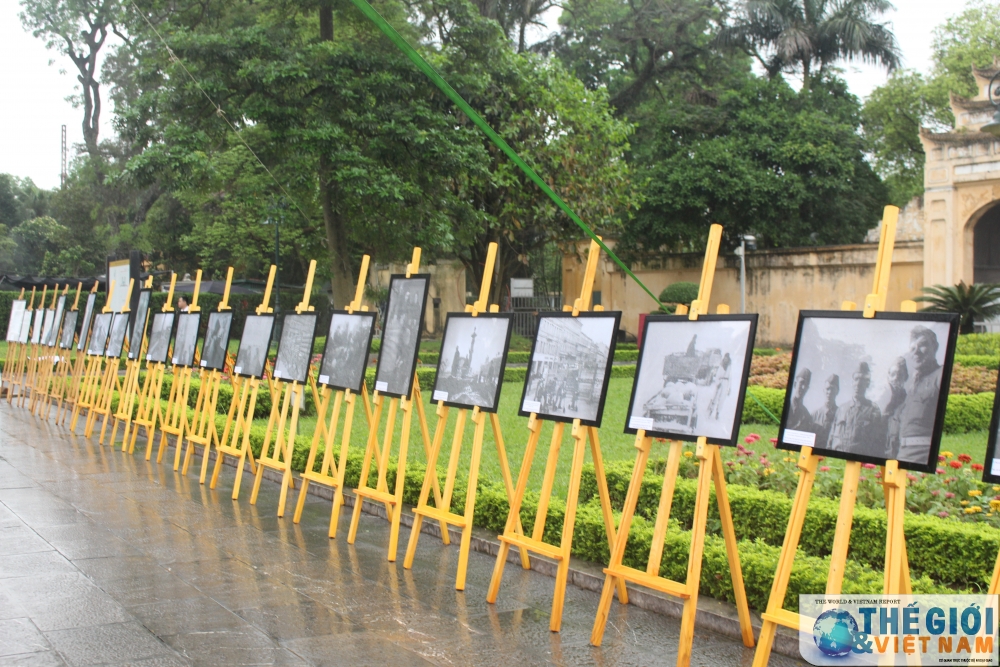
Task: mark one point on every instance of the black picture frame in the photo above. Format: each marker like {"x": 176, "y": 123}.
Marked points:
{"x": 53, "y": 336}
{"x": 216, "y": 342}
{"x": 88, "y": 321}
{"x": 68, "y": 329}
{"x": 138, "y": 331}
{"x": 298, "y": 334}
{"x": 436, "y": 394}
{"x": 48, "y": 326}
{"x": 392, "y": 324}
{"x": 736, "y": 389}
{"x": 25, "y": 334}
{"x": 159, "y": 337}
{"x": 17, "y": 309}
{"x": 991, "y": 466}
{"x": 99, "y": 336}
{"x": 951, "y": 319}
{"x": 38, "y": 325}
{"x": 186, "y": 339}
{"x": 255, "y": 325}
{"x": 116, "y": 338}
{"x": 524, "y": 410}
{"x": 335, "y": 345}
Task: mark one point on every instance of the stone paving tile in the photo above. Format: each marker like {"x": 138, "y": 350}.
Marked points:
{"x": 39, "y": 659}
{"x": 19, "y": 635}
{"x": 103, "y": 644}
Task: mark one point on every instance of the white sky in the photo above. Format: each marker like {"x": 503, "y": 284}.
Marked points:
{"x": 34, "y": 105}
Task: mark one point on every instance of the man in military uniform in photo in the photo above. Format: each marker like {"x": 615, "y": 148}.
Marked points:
{"x": 824, "y": 415}
{"x": 898, "y": 374}
{"x": 799, "y": 418}
{"x": 916, "y": 417}
{"x": 858, "y": 427}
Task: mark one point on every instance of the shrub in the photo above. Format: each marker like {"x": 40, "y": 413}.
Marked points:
{"x": 989, "y": 361}
{"x": 681, "y": 292}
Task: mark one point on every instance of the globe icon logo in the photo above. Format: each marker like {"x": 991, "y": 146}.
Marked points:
{"x": 834, "y": 632}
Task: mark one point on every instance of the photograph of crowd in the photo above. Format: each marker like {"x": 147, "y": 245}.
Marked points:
{"x": 570, "y": 365}
{"x": 159, "y": 337}
{"x": 691, "y": 377}
{"x": 213, "y": 350}
{"x": 473, "y": 353}
{"x": 88, "y": 318}
{"x": 345, "y": 355}
{"x": 404, "y": 320}
{"x": 68, "y": 329}
{"x": 139, "y": 324}
{"x": 254, "y": 345}
{"x": 17, "y": 309}
{"x": 99, "y": 336}
{"x": 116, "y": 339}
{"x": 186, "y": 339}
{"x": 295, "y": 347}
{"x": 870, "y": 389}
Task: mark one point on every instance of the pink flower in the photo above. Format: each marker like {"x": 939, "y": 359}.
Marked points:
{"x": 869, "y": 466}
{"x": 751, "y": 438}
{"x": 878, "y": 474}
{"x": 941, "y": 457}
{"x": 774, "y": 441}
{"x": 940, "y": 471}
{"x": 943, "y": 515}
{"x": 935, "y": 492}
{"x": 863, "y": 478}
{"x": 911, "y": 477}
{"x": 824, "y": 468}
{"x": 949, "y": 495}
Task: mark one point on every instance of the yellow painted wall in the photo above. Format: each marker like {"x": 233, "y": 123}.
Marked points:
{"x": 447, "y": 284}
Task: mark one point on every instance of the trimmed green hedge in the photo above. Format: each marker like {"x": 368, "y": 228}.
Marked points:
{"x": 985, "y": 343}
{"x": 989, "y": 361}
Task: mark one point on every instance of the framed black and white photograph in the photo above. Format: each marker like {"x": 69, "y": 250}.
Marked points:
{"x": 254, "y": 345}
{"x": 570, "y": 366}
{"x": 88, "y": 319}
{"x": 870, "y": 390}
{"x": 186, "y": 339}
{"x": 50, "y": 340}
{"x": 68, "y": 329}
{"x": 39, "y": 324}
{"x": 99, "y": 336}
{"x": 404, "y": 320}
{"x": 473, "y": 355}
{"x": 295, "y": 347}
{"x": 159, "y": 338}
{"x": 48, "y": 324}
{"x": 345, "y": 356}
{"x": 25, "y": 335}
{"x": 691, "y": 377}
{"x": 213, "y": 350}
{"x": 139, "y": 325}
{"x": 17, "y": 310}
{"x": 116, "y": 339}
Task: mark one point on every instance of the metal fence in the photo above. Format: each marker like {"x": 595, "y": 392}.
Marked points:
{"x": 526, "y": 308}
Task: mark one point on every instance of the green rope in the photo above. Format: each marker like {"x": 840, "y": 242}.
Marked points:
{"x": 763, "y": 407}
{"x": 453, "y": 95}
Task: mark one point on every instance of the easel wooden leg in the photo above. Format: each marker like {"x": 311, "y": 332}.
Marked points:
{"x": 579, "y": 451}
{"x": 404, "y": 441}
{"x": 431, "y": 472}
{"x": 605, "y": 496}
{"x": 345, "y": 439}
{"x": 705, "y": 453}
{"x": 842, "y": 536}
{"x": 508, "y": 483}
{"x": 479, "y": 418}
{"x": 732, "y": 549}
{"x": 366, "y": 467}
{"x": 542, "y": 513}
{"x": 438, "y": 499}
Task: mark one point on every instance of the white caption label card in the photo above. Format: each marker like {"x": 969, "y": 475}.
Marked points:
{"x": 440, "y": 395}
{"x": 238, "y": 370}
{"x": 277, "y": 375}
{"x": 803, "y": 438}
{"x": 175, "y": 360}
{"x": 204, "y": 363}
{"x": 641, "y": 423}
{"x": 324, "y": 379}
{"x": 381, "y": 386}
{"x": 995, "y": 467}
{"x": 148, "y": 357}
{"x": 532, "y": 406}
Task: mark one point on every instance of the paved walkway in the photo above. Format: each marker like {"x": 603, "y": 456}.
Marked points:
{"x": 108, "y": 559}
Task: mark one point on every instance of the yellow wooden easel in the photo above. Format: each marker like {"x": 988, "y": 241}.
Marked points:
{"x": 31, "y": 363}
{"x": 92, "y": 375}
{"x": 711, "y": 475}
{"x": 149, "y": 411}
{"x": 13, "y": 352}
{"x": 21, "y": 368}
{"x": 43, "y": 370}
{"x": 63, "y": 373}
{"x": 81, "y": 366}
{"x": 174, "y": 420}
{"x": 443, "y": 511}
{"x": 326, "y": 429}
{"x": 897, "y": 571}
{"x": 235, "y": 439}
{"x": 60, "y": 363}
{"x": 111, "y": 382}
{"x": 130, "y": 385}
{"x": 581, "y": 435}
{"x": 287, "y": 395}
{"x": 203, "y": 432}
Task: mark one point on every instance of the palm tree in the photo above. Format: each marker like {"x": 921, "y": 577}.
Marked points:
{"x": 786, "y": 35}
{"x": 974, "y": 302}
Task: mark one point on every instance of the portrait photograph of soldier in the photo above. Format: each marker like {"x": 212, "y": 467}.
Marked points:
{"x": 870, "y": 389}
{"x": 53, "y": 331}
{"x": 99, "y": 336}
{"x": 254, "y": 345}
{"x": 473, "y": 352}
{"x": 159, "y": 338}
{"x": 295, "y": 347}
{"x": 139, "y": 324}
{"x": 691, "y": 377}
{"x": 570, "y": 365}
{"x": 116, "y": 339}
{"x": 186, "y": 339}
{"x": 213, "y": 350}
{"x": 17, "y": 309}
{"x": 88, "y": 318}
{"x": 404, "y": 319}
{"x": 345, "y": 355}
{"x": 68, "y": 329}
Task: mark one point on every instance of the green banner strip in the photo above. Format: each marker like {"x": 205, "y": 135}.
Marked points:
{"x": 453, "y": 95}
{"x": 763, "y": 407}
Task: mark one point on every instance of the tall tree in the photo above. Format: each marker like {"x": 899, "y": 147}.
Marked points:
{"x": 809, "y": 35}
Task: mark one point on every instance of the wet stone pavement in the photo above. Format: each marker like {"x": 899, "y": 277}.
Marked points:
{"x": 106, "y": 559}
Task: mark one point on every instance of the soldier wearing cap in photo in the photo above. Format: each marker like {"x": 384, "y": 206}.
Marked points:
{"x": 898, "y": 374}
{"x": 858, "y": 426}
{"x": 916, "y": 417}
{"x": 824, "y": 415}
{"x": 799, "y": 418}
